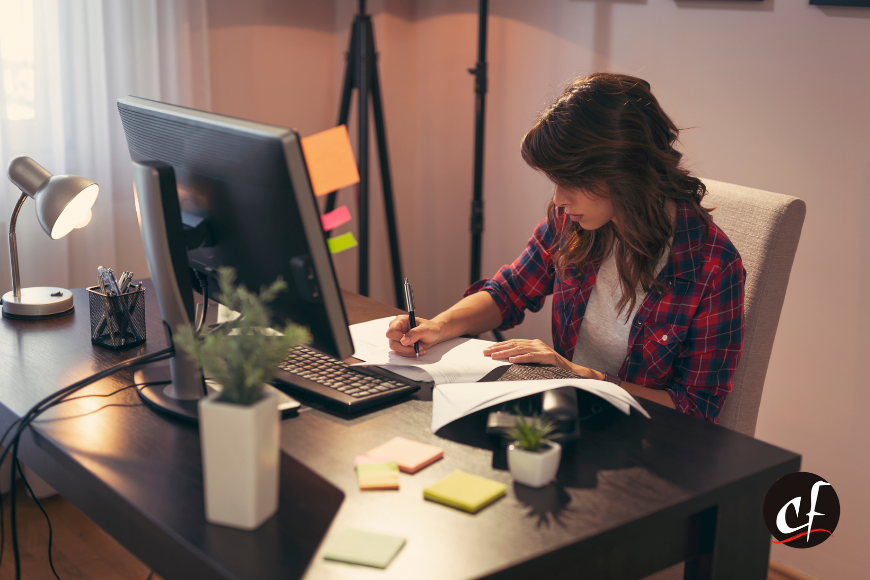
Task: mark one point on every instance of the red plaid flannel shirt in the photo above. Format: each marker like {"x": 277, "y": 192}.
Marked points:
{"x": 687, "y": 341}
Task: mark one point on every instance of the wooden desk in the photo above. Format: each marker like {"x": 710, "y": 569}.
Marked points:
{"x": 632, "y": 498}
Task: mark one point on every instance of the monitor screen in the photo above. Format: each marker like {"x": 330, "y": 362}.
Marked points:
{"x": 250, "y": 184}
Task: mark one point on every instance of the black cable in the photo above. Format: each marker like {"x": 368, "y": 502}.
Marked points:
{"x": 66, "y": 400}
{"x": 39, "y": 505}
{"x": 150, "y": 574}
{"x": 46, "y": 403}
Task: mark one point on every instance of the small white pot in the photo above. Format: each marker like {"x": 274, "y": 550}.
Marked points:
{"x": 240, "y": 460}
{"x": 534, "y": 468}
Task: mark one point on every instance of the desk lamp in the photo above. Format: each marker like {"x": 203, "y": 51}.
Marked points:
{"x": 63, "y": 203}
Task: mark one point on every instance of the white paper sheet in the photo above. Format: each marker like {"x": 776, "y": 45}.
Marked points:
{"x": 460, "y": 360}
{"x": 453, "y": 401}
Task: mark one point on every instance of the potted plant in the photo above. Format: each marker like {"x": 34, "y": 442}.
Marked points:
{"x": 239, "y": 425}
{"x": 533, "y": 459}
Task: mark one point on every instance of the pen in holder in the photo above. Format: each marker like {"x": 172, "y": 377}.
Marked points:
{"x": 117, "y": 321}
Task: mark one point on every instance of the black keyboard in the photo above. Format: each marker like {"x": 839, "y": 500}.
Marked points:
{"x": 337, "y": 384}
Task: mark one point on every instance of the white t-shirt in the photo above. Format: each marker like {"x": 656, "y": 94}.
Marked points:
{"x": 602, "y": 343}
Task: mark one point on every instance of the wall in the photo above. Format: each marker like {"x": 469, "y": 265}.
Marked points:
{"x": 774, "y": 93}
{"x": 273, "y": 61}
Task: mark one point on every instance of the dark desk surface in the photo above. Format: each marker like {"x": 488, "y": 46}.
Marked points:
{"x": 631, "y": 498}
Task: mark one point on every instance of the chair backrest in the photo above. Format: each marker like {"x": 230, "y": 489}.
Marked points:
{"x": 765, "y": 228}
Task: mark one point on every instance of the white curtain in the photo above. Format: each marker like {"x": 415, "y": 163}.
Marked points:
{"x": 63, "y": 65}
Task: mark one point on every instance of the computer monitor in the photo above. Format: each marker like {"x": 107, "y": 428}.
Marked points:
{"x": 249, "y": 183}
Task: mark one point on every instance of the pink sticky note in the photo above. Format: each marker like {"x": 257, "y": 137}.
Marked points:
{"x": 412, "y": 456}
{"x": 335, "y": 218}
{"x": 368, "y": 459}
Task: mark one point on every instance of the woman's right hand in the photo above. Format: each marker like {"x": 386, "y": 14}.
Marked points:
{"x": 402, "y": 337}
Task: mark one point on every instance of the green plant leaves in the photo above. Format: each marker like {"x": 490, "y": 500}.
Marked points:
{"x": 243, "y": 353}
{"x": 530, "y": 433}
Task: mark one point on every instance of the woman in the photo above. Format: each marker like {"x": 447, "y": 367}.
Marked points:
{"x": 648, "y": 291}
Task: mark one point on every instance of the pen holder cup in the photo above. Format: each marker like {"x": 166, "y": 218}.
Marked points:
{"x": 117, "y": 322}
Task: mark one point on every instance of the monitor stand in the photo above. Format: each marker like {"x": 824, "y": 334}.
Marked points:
{"x": 175, "y": 388}
{"x": 155, "y": 388}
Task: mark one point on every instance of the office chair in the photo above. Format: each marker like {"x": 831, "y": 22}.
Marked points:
{"x": 765, "y": 228}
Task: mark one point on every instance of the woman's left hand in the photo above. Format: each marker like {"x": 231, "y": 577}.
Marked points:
{"x": 532, "y": 351}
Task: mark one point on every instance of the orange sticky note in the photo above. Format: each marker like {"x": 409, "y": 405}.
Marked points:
{"x": 412, "y": 456}
{"x": 330, "y": 160}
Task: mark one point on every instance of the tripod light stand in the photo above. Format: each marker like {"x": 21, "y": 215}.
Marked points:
{"x": 361, "y": 73}
{"x": 480, "y": 86}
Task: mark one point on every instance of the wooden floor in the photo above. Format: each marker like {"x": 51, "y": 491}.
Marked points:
{"x": 82, "y": 550}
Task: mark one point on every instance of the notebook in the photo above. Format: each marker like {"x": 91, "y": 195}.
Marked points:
{"x": 412, "y": 456}
{"x": 465, "y": 491}
{"x": 365, "y": 548}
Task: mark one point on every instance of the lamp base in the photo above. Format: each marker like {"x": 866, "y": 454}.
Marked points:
{"x": 38, "y": 303}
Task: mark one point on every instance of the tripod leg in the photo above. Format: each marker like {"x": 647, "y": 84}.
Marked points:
{"x": 364, "y": 82}
{"x": 346, "y": 90}
{"x": 386, "y": 178}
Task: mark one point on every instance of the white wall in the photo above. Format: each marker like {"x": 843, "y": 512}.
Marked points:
{"x": 775, "y": 91}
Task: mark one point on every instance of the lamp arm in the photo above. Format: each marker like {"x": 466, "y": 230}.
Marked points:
{"x": 13, "y": 248}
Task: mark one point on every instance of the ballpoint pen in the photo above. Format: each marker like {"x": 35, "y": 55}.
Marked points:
{"x": 409, "y": 303}
{"x": 109, "y": 278}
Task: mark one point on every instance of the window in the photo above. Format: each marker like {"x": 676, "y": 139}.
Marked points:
{"x": 16, "y": 59}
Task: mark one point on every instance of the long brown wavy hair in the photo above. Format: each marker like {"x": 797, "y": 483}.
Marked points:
{"x": 607, "y": 136}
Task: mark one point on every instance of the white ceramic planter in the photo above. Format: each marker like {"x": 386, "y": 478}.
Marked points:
{"x": 534, "y": 468}
{"x": 240, "y": 460}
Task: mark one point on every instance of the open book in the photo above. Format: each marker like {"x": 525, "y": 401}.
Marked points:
{"x": 451, "y": 402}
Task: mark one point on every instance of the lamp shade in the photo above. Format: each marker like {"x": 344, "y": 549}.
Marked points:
{"x": 62, "y": 201}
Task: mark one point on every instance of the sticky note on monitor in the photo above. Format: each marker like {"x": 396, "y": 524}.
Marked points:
{"x": 335, "y": 218}
{"x": 330, "y": 160}
{"x": 372, "y": 476}
{"x": 412, "y": 456}
{"x": 465, "y": 491}
{"x": 364, "y": 548}
{"x": 341, "y": 243}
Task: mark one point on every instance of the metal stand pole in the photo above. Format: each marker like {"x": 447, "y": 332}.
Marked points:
{"x": 480, "y": 86}
{"x": 362, "y": 73}
{"x": 480, "y": 80}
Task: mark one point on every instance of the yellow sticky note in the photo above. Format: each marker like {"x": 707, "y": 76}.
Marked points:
{"x": 378, "y": 475}
{"x": 330, "y": 160}
{"x": 342, "y": 243}
{"x": 465, "y": 491}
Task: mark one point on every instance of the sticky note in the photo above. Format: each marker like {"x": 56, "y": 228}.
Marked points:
{"x": 412, "y": 456}
{"x": 365, "y": 548}
{"x": 465, "y": 491}
{"x": 378, "y": 475}
{"x": 330, "y": 161}
{"x": 335, "y": 218}
{"x": 341, "y": 243}
{"x": 364, "y": 459}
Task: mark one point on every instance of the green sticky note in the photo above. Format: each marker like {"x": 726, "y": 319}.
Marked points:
{"x": 364, "y": 548}
{"x": 378, "y": 475}
{"x": 465, "y": 491}
{"x": 341, "y": 243}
